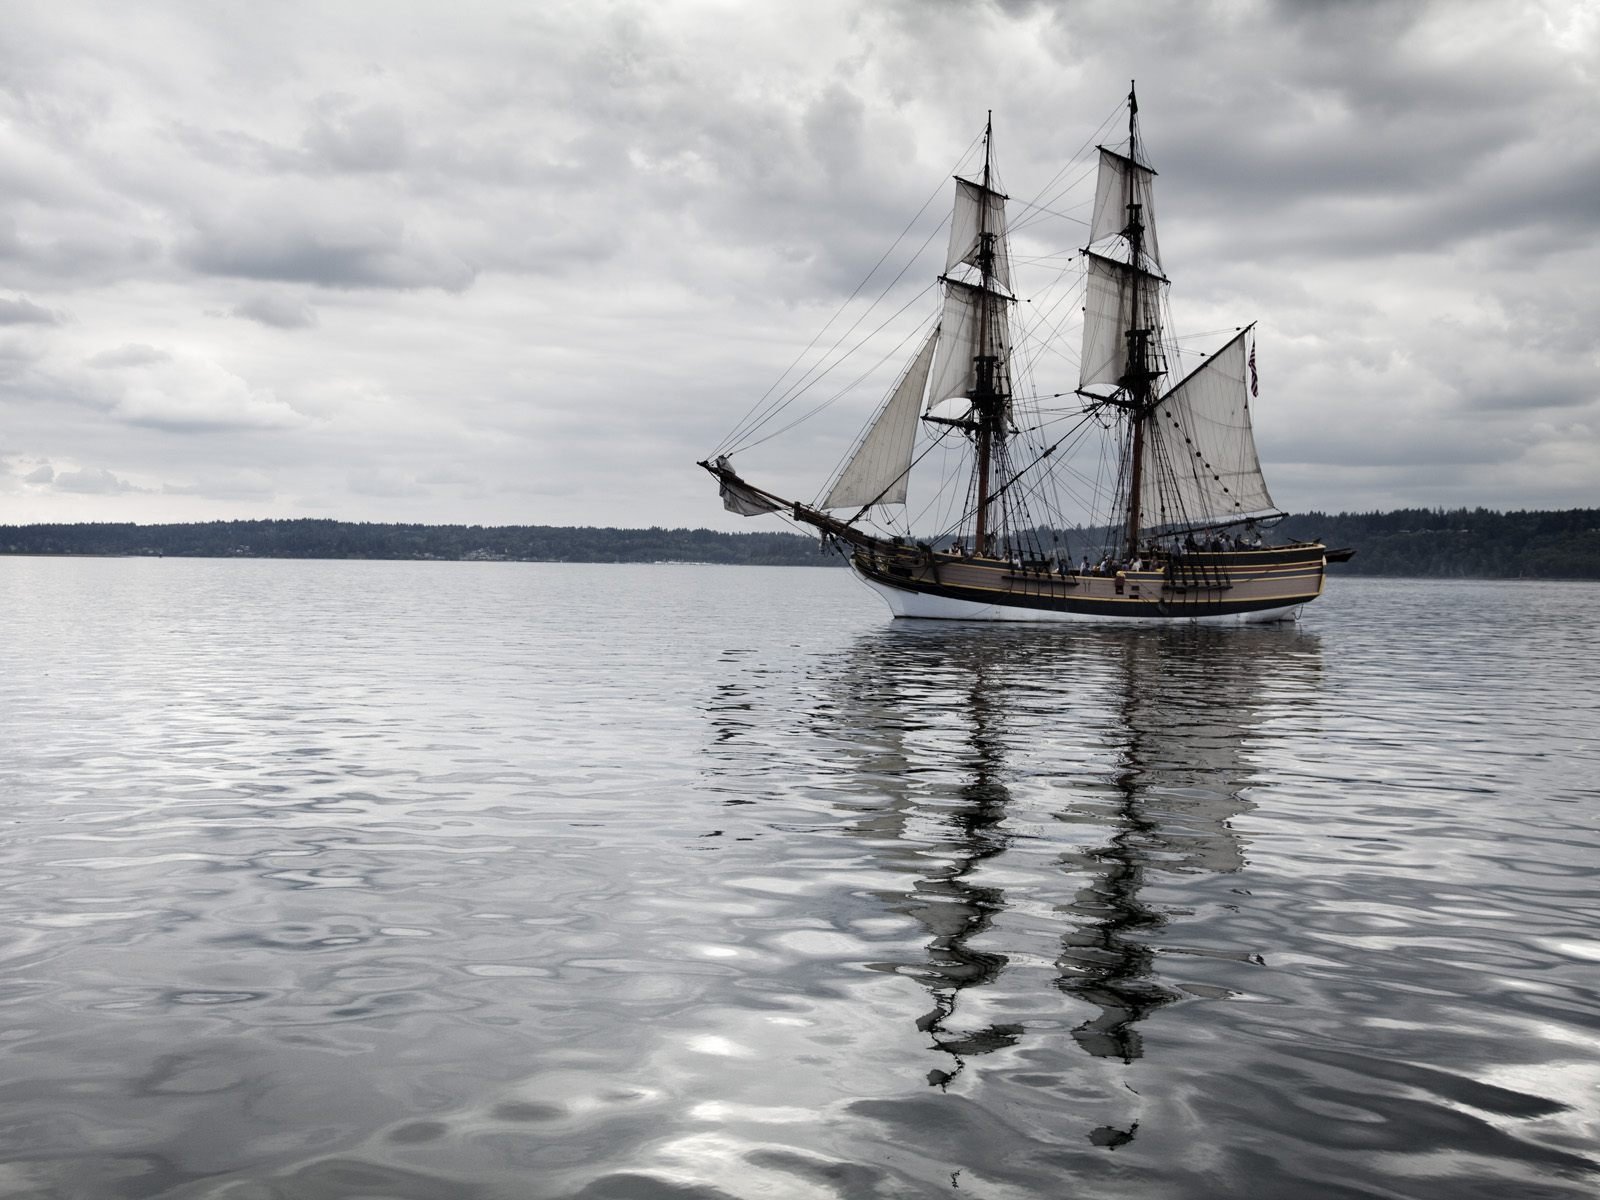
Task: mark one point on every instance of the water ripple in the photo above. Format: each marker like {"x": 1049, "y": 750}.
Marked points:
{"x": 428, "y": 880}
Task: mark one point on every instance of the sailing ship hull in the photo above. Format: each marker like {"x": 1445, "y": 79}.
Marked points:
{"x": 1205, "y": 588}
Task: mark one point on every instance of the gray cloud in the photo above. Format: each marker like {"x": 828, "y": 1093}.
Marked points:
{"x": 384, "y": 483}
{"x": 280, "y": 312}
{"x": 96, "y": 481}
{"x": 131, "y": 355}
{"x": 536, "y": 260}
{"x": 23, "y": 311}
{"x": 269, "y": 240}
{"x": 238, "y": 485}
{"x": 348, "y": 136}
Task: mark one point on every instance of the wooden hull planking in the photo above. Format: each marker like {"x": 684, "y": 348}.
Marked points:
{"x": 1207, "y": 587}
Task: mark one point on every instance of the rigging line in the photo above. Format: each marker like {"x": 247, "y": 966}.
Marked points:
{"x": 853, "y": 383}
{"x": 843, "y": 306}
{"x": 1091, "y": 140}
{"x": 1053, "y": 258}
{"x": 1044, "y": 494}
{"x": 1106, "y": 511}
{"x": 1042, "y": 205}
{"x": 1042, "y": 422}
{"x": 1083, "y": 499}
{"x": 803, "y": 383}
{"x": 1041, "y": 209}
{"x": 1066, "y": 285}
{"x": 1094, "y": 508}
{"x": 1050, "y": 343}
{"x": 816, "y": 373}
{"x": 1057, "y": 296}
{"x": 1004, "y": 488}
{"x": 1034, "y": 490}
{"x": 873, "y": 416}
{"x": 1045, "y": 212}
{"x": 751, "y": 422}
{"x": 1060, "y": 263}
{"x": 750, "y": 445}
{"x": 889, "y": 485}
{"x": 943, "y": 440}
{"x": 962, "y": 502}
{"x": 743, "y": 421}
{"x": 1033, "y": 341}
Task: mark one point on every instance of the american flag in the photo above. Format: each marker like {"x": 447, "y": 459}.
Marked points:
{"x": 1255, "y": 389}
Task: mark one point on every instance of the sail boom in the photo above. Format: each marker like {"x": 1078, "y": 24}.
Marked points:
{"x": 977, "y": 186}
{"x": 1118, "y": 265}
{"x": 1006, "y": 297}
{"x": 1126, "y": 161}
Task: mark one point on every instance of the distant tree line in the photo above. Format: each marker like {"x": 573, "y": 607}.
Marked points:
{"x": 1459, "y": 542}
{"x": 310, "y": 538}
{"x": 1442, "y": 543}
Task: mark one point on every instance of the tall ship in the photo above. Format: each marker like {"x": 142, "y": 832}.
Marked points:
{"x": 1132, "y": 493}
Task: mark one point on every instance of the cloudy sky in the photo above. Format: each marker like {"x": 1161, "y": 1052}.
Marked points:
{"x": 525, "y": 262}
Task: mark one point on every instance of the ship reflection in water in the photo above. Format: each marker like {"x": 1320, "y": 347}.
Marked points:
{"x": 1122, "y": 756}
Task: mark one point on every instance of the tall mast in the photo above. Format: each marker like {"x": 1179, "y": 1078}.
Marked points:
{"x": 987, "y": 404}
{"x": 1137, "y": 378}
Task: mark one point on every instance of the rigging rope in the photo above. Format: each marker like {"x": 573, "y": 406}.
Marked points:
{"x": 750, "y": 422}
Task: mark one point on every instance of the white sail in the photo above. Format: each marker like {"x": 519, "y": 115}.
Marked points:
{"x": 1200, "y": 463}
{"x": 877, "y": 471}
{"x": 977, "y": 210}
{"x": 1122, "y": 182}
{"x": 954, "y": 373}
{"x": 1108, "y": 314}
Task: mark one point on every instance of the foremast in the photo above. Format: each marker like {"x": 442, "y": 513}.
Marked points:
{"x": 1138, "y": 379}
{"x": 974, "y": 342}
{"x": 990, "y": 398}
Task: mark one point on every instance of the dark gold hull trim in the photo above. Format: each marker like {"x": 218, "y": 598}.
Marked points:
{"x": 1207, "y": 587}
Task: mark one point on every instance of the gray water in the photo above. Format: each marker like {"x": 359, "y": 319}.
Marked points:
{"x": 415, "y": 880}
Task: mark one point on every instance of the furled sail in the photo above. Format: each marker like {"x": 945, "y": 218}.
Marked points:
{"x": 954, "y": 371}
{"x": 877, "y": 471}
{"x": 1122, "y": 182}
{"x": 1200, "y": 464}
{"x": 1108, "y": 313}
{"x": 738, "y": 496}
{"x": 979, "y": 210}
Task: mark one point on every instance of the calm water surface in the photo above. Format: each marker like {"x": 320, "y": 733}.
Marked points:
{"x": 414, "y": 880}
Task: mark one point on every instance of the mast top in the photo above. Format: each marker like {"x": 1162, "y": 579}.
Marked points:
{"x": 988, "y": 137}
{"x": 1133, "y": 122}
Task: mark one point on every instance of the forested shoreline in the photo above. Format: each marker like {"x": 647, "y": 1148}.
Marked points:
{"x": 1434, "y": 543}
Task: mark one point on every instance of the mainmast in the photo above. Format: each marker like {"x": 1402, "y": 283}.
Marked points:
{"x": 987, "y": 403}
{"x": 1138, "y": 377}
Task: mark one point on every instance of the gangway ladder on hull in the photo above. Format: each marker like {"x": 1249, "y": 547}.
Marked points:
{"x": 1039, "y": 580}
{"x": 1196, "y": 580}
